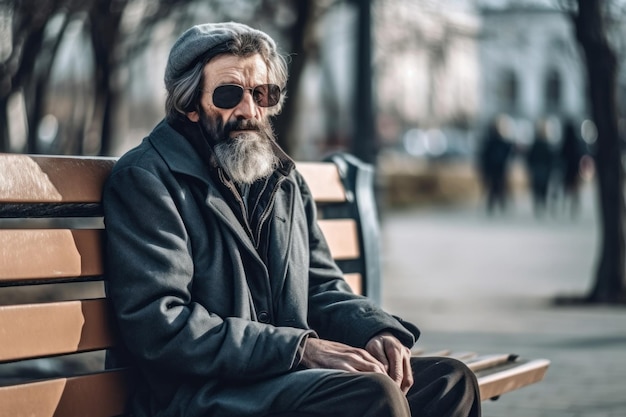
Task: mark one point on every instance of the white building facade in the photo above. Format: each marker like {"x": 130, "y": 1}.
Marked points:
{"x": 459, "y": 64}
{"x": 531, "y": 67}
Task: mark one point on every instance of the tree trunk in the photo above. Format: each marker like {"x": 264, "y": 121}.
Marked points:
{"x": 35, "y": 111}
{"x": 105, "y": 19}
{"x": 4, "y": 124}
{"x": 363, "y": 139}
{"x": 298, "y": 33}
{"x": 41, "y": 82}
{"x": 610, "y": 279}
{"x": 25, "y": 78}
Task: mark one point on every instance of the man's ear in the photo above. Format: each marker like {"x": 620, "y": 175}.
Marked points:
{"x": 193, "y": 116}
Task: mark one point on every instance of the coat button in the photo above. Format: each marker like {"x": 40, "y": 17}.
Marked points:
{"x": 264, "y": 317}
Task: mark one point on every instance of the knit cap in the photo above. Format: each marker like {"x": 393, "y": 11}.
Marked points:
{"x": 206, "y": 40}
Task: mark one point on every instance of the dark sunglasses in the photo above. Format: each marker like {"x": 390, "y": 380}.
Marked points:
{"x": 228, "y": 96}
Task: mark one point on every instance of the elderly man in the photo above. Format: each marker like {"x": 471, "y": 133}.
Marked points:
{"x": 215, "y": 321}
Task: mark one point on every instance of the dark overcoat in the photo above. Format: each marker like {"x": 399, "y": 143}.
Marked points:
{"x": 212, "y": 328}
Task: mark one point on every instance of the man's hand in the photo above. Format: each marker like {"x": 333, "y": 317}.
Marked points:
{"x": 319, "y": 353}
{"x": 394, "y": 356}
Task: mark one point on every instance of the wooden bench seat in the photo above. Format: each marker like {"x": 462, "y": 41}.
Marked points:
{"x": 55, "y": 322}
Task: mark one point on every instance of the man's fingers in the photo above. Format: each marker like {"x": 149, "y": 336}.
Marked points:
{"x": 363, "y": 361}
{"x": 377, "y": 349}
{"x": 407, "y": 382}
{"x": 395, "y": 356}
{"x": 394, "y": 353}
{"x": 320, "y": 353}
{"x": 363, "y": 365}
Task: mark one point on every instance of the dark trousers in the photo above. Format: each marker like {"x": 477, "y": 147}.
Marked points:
{"x": 443, "y": 387}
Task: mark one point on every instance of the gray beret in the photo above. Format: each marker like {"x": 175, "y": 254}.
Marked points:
{"x": 207, "y": 40}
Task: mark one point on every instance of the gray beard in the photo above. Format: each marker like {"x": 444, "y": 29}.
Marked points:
{"x": 246, "y": 157}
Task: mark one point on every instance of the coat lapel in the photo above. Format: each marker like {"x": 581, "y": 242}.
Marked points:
{"x": 182, "y": 158}
{"x": 222, "y": 210}
{"x": 281, "y": 232}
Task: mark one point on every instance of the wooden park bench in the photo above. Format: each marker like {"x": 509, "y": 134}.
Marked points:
{"x": 55, "y": 323}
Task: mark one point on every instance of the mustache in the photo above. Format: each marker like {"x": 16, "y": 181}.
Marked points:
{"x": 215, "y": 130}
{"x": 242, "y": 125}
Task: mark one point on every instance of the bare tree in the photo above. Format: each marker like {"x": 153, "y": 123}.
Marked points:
{"x": 590, "y": 22}
{"x": 27, "y": 67}
{"x": 34, "y": 49}
{"x": 300, "y": 34}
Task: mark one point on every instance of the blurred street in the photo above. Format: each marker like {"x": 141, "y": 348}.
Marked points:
{"x": 485, "y": 284}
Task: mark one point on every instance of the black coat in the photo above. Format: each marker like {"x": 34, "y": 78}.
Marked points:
{"x": 198, "y": 309}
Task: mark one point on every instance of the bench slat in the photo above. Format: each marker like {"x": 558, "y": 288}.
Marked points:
{"x": 355, "y": 281}
{"x": 99, "y": 395}
{"x": 53, "y": 179}
{"x": 49, "y": 253}
{"x": 342, "y": 237}
{"x": 59, "y": 253}
{"x": 36, "y": 330}
{"x": 324, "y": 181}
{"x": 501, "y": 379}
{"x": 497, "y": 374}
{"x": 47, "y": 179}
{"x": 480, "y": 363}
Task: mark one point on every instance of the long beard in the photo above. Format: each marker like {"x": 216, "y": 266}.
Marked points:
{"x": 247, "y": 156}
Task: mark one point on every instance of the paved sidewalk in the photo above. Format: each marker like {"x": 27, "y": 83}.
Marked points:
{"x": 478, "y": 283}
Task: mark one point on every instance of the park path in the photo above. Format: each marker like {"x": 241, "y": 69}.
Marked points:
{"x": 478, "y": 283}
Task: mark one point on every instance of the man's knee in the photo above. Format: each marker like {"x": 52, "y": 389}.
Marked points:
{"x": 456, "y": 369}
{"x": 448, "y": 368}
{"x": 380, "y": 386}
{"x": 443, "y": 387}
{"x": 382, "y": 395}
{"x": 347, "y": 394}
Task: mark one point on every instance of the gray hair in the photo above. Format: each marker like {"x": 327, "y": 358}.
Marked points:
{"x": 184, "y": 90}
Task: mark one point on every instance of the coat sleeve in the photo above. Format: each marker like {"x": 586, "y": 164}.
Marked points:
{"x": 150, "y": 271}
{"x": 335, "y": 312}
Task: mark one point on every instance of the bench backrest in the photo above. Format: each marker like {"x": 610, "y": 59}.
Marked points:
{"x": 55, "y": 323}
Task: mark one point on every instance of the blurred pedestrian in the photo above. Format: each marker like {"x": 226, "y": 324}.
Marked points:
{"x": 540, "y": 159}
{"x": 570, "y": 157}
{"x": 493, "y": 161}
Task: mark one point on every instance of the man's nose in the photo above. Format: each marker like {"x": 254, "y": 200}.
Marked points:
{"x": 247, "y": 107}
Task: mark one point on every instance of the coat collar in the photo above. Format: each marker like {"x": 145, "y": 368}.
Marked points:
{"x": 183, "y": 158}
{"x": 178, "y": 153}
